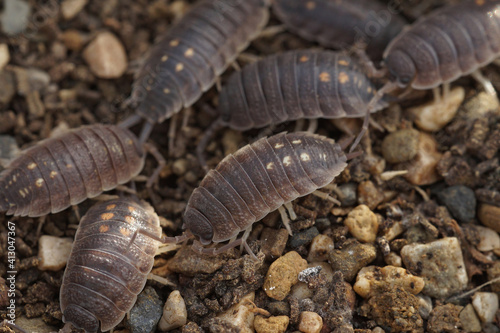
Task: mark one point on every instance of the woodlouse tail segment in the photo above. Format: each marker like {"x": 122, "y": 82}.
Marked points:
{"x": 209, "y": 133}
{"x": 388, "y": 87}
{"x": 13, "y": 326}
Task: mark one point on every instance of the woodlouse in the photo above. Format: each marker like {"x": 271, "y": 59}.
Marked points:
{"x": 63, "y": 171}
{"x": 448, "y": 43}
{"x": 342, "y": 24}
{"x": 108, "y": 264}
{"x": 259, "y": 178}
{"x": 290, "y": 86}
{"x": 192, "y": 54}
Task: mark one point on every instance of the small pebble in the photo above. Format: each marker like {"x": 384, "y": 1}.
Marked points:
{"x": 74, "y": 39}
{"x": 470, "y": 321}
{"x": 425, "y": 308}
{"x": 400, "y": 146}
{"x": 71, "y": 8}
{"x": 271, "y": 325}
{"x": 174, "y": 312}
{"x": 106, "y": 56}
{"x": 240, "y": 314}
{"x": 8, "y": 84}
{"x": 369, "y": 194}
{"x": 283, "y": 274}
{"x": 146, "y": 312}
{"x": 486, "y": 305}
{"x": 4, "y": 55}
{"x": 273, "y": 242}
{"x": 363, "y": 224}
{"x": 444, "y": 318}
{"x": 489, "y": 216}
{"x": 433, "y": 116}
{"x": 440, "y": 263}
{"x": 53, "y": 252}
{"x": 8, "y": 149}
{"x": 346, "y": 193}
{"x": 351, "y": 258}
{"x": 488, "y": 239}
{"x": 460, "y": 201}
{"x": 303, "y": 237}
{"x": 180, "y": 167}
{"x": 321, "y": 245}
{"x": 393, "y": 259}
{"x": 310, "y": 322}
{"x": 301, "y": 291}
{"x": 422, "y": 169}
{"x": 15, "y": 16}
{"x": 373, "y": 279}
{"x": 479, "y": 105}
{"x": 494, "y": 273}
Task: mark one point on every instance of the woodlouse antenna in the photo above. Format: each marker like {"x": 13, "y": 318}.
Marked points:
{"x": 209, "y": 133}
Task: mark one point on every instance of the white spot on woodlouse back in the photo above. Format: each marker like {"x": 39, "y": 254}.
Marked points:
{"x": 296, "y": 142}
{"x": 69, "y": 166}
{"x": 189, "y": 52}
{"x": 14, "y": 178}
{"x": 270, "y": 166}
{"x": 324, "y": 77}
{"x": 32, "y": 165}
{"x": 343, "y": 77}
{"x": 305, "y": 157}
{"x": 279, "y": 145}
{"x": 310, "y": 5}
{"x": 39, "y": 182}
{"x": 179, "y": 67}
{"x": 164, "y": 58}
{"x": 287, "y": 160}
{"x": 174, "y": 42}
{"x": 166, "y": 91}
{"x": 53, "y": 174}
{"x": 304, "y": 58}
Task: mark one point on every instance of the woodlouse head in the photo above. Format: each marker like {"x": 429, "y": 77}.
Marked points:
{"x": 198, "y": 225}
{"x": 401, "y": 67}
{"x": 81, "y": 318}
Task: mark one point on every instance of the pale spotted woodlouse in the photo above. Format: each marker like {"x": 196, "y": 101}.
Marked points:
{"x": 257, "y": 179}
{"x": 193, "y": 53}
{"x": 293, "y": 85}
{"x": 341, "y": 24}
{"x": 63, "y": 171}
{"x": 109, "y": 263}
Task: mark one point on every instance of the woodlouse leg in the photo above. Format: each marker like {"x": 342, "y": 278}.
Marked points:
{"x": 367, "y": 64}
{"x": 299, "y": 125}
{"x": 248, "y": 58}
{"x": 437, "y": 95}
{"x": 161, "y": 280}
{"x": 164, "y": 239}
{"x": 388, "y": 87}
{"x": 285, "y": 219}
{"x": 200, "y": 148}
{"x": 185, "y": 117}
{"x": 171, "y": 134}
{"x": 236, "y": 66}
{"x": 272, "y": 31}
{"x": 14, "y": 326}
{"x": 313, "y": 125}
{"x": 161, "y": 163}
{"x": 212, "y": 251}
{"x": 130, "y": 121}
{"x": 326, "y": 196}
{"x": 488, "y": 87}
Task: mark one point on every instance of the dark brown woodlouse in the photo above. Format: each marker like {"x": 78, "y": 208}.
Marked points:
{"x": 293, "y": 85}
{"x": 108, "y": 265}
{"x": 341, "y": 24}
{"x": 192, "y": 54}
{"x": 63, "y": 171}
{"x": 259, "y": 178}
{"x": 448, "y": 43}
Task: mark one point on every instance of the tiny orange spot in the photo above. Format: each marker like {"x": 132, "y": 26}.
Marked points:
{"x": 31, "y": 166}
{"x": 479, "y": 2}
{"x": 174, "y": 43}
{"x": 107, "y": 216}
{"x": 131, "y": 209}
{"x": 343, "y": 63}
{"x": 310, "y": 5}
{"x": 166, "y": 91}
{"x": 343, "y": 77}
{"x": 125, "y": 232}
{"x": 179, "y": 67}
{"x": 53, "y": 174}
{"x": 324, "y": 77}
{"x": 304, "y": 58}
{"x": 189, "y": 52}
{"x": 103, "y": 228}
{"x": 109, "y": 207}
{"x": 129, "y": 219}
{"x": 164, "y": 58}
{"x": 69, "y": 166}
{"x": 369, "y": 90}
{"x": 39, "y": 182}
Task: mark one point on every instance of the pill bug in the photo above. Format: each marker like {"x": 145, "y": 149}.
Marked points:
{"x": 448, "y": 43}
{"x": 108, "y": 265}
{"x": 63, "y": 171}
{"x": 340, "y": 24}
{"x": 293, "y": 85}
{"x": 260, "y": 178}
{"x": 192, "y": 54}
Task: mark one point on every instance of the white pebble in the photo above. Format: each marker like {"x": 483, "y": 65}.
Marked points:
{"x": 425, "y": 305}
{"x": 310, "y": 322}
{"x": 486, "y": 305}
{"x": 321, "y": 245}
{"x": 362, "y": 224}
{"x": 470, "y": 321}
{"x": 4, "y": 55}
{"x": 106, "y": 56}
{"x": 174, "y": 312}
{"x": 53, "y": 252}
{"x": 70, "y": 8}
{"x": 488, "y": 239}
{"x": 240, "y": 315}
